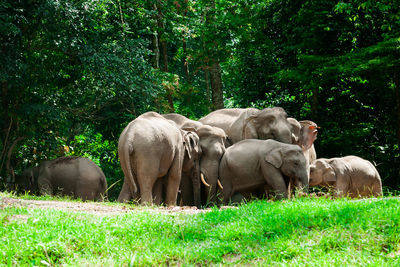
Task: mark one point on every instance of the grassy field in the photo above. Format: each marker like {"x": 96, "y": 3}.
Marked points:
{"x": 299, "y": 232}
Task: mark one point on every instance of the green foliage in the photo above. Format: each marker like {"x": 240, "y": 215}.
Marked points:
{"x": 87, "y": 68}
{"x": 298, "y": 232}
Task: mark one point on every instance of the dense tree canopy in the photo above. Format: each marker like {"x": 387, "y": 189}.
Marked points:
{"x": 74, "y": 73}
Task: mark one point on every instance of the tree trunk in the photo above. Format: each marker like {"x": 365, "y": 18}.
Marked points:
{"x": 5, "y": 126}
{"x": 215, "y": 69}
{"x": 156, "y": 50}
{"x": 4, "y": 104}
{"x": 397, "y": 90}
{"x": 185, "y": 62}
{"x": 216, "y": 86}
{"x": 10, "y": 170}
{"x": 163, "y": 46}
{"x": 208, "y": 91}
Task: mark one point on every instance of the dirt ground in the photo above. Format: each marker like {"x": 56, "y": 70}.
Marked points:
{"x": 100, "y": 208}
{"x": 93, "y": 207}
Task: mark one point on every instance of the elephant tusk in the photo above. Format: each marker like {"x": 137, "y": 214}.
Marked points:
{"x": 203, "y": 180}
{"x": 289, "y": 187}
{"x": 220, "y": 185}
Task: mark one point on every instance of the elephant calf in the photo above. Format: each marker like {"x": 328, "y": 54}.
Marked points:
{"x": 348, "y": 176}
{"x": 71, "y": 176}
{"x": 251, "y": 164}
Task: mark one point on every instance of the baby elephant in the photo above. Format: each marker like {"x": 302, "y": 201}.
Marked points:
{"x": 251, "y": 164}
{"x": 348, "y": 176}
{"x": 71, "y": 176}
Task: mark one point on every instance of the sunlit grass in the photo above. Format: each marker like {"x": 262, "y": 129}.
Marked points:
{"x": 302, "y": 231}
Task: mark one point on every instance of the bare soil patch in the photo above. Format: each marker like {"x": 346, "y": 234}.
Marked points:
{"x": 94, "y": 207}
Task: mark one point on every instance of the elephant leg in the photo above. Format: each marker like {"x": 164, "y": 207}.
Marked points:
{"x": 227, "y": 192}
{"x": 45, "y": 188}
{"x": 186, "y": 191}
{"x": 146, "y": 189}
{"x": 157, "y": 191}
{"x": 275, "y": 180}
{"x": 125, "y": 194}
{"x": 341, "y": 189}
{"x": 174, "y": 180}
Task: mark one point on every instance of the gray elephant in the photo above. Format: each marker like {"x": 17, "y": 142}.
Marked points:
{"x": 71, "y": 176}
{"x": 212, "y": 146}
{"x": 180, "y": 119}
{"x": 348, "y": 176}
{"x": 150, "y": 148}
{"x": 252, "y": 164}
{"x": 304, "y": 134}
{"x": 251, "y": 123}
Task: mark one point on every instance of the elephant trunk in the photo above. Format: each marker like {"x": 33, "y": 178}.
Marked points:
{"x": 210, "y": 170}
{"x": 303, "y": 182}
{"x": 196, "y": 184}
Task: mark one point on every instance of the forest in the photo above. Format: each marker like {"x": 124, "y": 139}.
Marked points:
{"x": 74, "y": 73}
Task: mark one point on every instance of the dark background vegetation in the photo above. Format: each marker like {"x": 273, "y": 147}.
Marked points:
{"x": 74, "y": 73}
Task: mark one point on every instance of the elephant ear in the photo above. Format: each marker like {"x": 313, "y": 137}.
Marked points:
{"x": 191, "y": 143}
{"x": 275, "y": 158}
{"x": 308, "y": 134}
{"x": 296, "y": 126}
{"x": 249, "y": 130}
{"x": 329, "y": 174}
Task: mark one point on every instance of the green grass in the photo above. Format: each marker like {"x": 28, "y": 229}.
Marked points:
{"x": 299, "y": 232}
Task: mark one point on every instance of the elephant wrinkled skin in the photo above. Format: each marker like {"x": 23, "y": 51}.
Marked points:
{"x": 251, "y": 164}
{"x": 152, "y": 153}
{"x": 349, "y": 176}
{"x": 71, "y": 176}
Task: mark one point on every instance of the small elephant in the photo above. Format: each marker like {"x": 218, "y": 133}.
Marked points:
{"x": 349, "y": 176}
{"x": 212, "y": 142}
{"x": 152, "y": 153}
{"x": 71, "y": 176}
{"x": 251, "y": 123}
{"x": 304, "y": 134}
{"x": 251, "y": 164}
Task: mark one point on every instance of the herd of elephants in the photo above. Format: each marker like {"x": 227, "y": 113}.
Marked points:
{"x": 235, "y": 154}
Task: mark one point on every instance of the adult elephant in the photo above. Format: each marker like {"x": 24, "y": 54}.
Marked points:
{"x": 348, "y": 176}
{"x": 255, "y": 164}
{"x": 251, "y": 123}
{"x": 70, "y": 176}
{"x": 150, "y": 148}
{"x": 212, "y": 141}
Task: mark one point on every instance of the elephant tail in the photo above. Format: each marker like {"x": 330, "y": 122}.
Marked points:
{"x": 127, "y": 168}
{"x": 378, "y": 185}
{"x": 103, "y": 186}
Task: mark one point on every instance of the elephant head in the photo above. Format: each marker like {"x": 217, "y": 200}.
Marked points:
{"x": 191, "y": 163}
{"x": 292, "y": 164}
{"x": 28, "y": 180}
{"x": 269, "y": 123}
{"x": 304, "y": 133}
{"x": 321, "y": 172}
{"x": 212, "y": 145}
